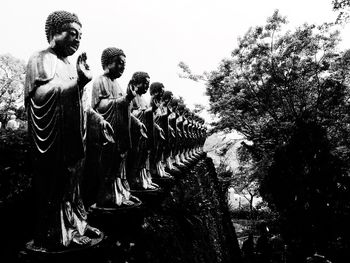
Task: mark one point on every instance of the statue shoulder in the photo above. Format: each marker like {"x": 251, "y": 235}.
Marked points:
{"x": 99, "y": 80}
{"x": 43, "y": 64}
{"x": 41, "y": 69}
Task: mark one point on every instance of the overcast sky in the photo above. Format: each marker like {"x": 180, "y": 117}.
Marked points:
{"x": 155, "y": 34}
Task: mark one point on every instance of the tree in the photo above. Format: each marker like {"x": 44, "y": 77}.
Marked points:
{"x": 187, "y": 72}
{"x": 273, "y": 80}
{"x": 198, "y": 108}
{"x": 12, "y": 74}
{"x": 275, "y": 84}
{"x": 245, "y": 181}
{"x": 342, "y": 6}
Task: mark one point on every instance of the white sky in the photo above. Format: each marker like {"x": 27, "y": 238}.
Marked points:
{"x": 155, "y": 34}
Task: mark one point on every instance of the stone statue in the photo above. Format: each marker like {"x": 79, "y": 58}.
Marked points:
{"x": 186, "y": 137}
{"x": 53, "y": 91}
{"x": 159, "y": 102}
{"x": 138, "y": 159}
{"x": 109, "y": 100}
{"x": 196, "y": 142}
{"x": 180, "y": 161}
{"x": 170, "y": 150}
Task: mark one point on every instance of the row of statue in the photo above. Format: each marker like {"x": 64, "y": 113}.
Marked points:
{"x": 98, "y": 155}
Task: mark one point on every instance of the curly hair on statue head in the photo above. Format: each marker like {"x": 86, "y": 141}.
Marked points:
{"x": 167, "y": 95}
{"x": 56, "y": 22}
{"x": 174, "y": 103}
{"x": 108, "y": 54}
{"x": 139, "y": 77}
{"x": 156, "y": 87}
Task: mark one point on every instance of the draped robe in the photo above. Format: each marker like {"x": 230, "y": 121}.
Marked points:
{"x": 56, "y": 134}
{"x": 171, "y": 144}
{"x": 138, "y": 159}
{"x": 113, "y": 187}
{"x": 160, "y": 144}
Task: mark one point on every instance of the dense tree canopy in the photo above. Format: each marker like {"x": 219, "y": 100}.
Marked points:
{"x": 287, "y": 92}
{"x": 341, "y": 6}
{"x": 275, "y": 78}
{"x": 12, "y": 73}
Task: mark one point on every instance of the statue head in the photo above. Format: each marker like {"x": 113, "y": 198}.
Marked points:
{"x": 181, "y": 108}
{"x": 63, "y": 32}
{"x": 186, "y": 112}
{"x": 173, "y": 104}
{"x": 156, "y": 90}
{"x": 167, "y": 97}
{"x": 113, "y": 62}
{"x": 139, "y": 82}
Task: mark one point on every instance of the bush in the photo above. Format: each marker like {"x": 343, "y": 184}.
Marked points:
{"x": 15, "y": 170}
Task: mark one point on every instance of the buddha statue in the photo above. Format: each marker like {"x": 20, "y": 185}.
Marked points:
{"x": 53, "y": 92}
{"x": 180, "y": 136}
{"x": 138, "y": 159}
{"x": 171, "y": 147}
{"x": 159, "y": 103}
{"x": 109, "y": 100}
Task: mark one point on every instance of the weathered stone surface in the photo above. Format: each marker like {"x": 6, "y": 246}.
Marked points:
{"x": 190, "y": 224}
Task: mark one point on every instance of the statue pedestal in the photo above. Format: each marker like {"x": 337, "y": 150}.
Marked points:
{"x": 123, "y": 226}
{"x": 115, "y": 210}
{"x": 73, "y": 253}
{"x": 117, "y": 221}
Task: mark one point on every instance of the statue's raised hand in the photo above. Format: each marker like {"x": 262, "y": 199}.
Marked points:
{"x": 83, "y": 70}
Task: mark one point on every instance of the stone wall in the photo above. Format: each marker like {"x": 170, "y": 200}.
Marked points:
{"x": 188, "y": 222}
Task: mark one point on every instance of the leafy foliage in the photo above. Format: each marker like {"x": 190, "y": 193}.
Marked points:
{"x": 15, "y": 167}
{"x": 343, "y": 7}
{"x": 187, "y": 72}
{"x": 12, "y": 73}
{"x": 287, "y": 92}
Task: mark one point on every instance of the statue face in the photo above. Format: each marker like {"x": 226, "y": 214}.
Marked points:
{"x": 117, "y": 67}
{"x": 166, "y": 102}
{"x": 173, "y": 108}
{"x": 158, "y": 95}
{"x": 142, "y": 88}
{"x": 67, "y": 42}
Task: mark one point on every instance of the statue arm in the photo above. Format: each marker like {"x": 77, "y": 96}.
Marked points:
{"x": 105, "y": 104}
{"x": 105, "y": 127}
{"x": 139, "y": 124}
{"x": 101, "y": 99}
{"x": 41, "y": 79}
{"x": 160, "y": 131}
{"x": 135, "y": 120}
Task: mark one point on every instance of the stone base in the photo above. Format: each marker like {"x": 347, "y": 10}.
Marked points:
{"x": 123, "y": 209}
{"x": 73, "y": 253}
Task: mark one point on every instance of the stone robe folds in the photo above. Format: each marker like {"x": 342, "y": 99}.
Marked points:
{"x": 138, "y": 160}
{"x": 113, "y": 187}
{"x": 160, "y": 144}
{"x": 56, "y": 132}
